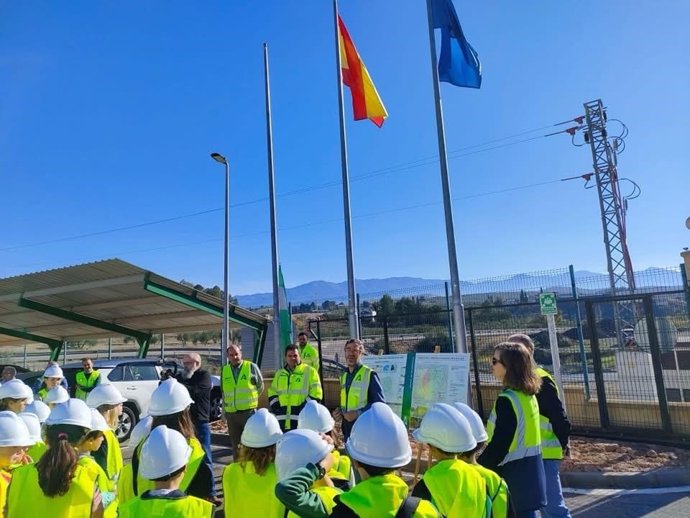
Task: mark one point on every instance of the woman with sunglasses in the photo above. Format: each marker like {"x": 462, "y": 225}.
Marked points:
{"x": 514, "y": 448}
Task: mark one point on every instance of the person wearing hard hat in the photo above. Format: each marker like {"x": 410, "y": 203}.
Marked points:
{"x": 164, "y": 459}
{"x": 38, "y": 408}
{"x": 308, "y": 353}
{"x": 87, "y": 379}
{"x": 501, "y": 504}
{"x": 242, "y": 385}
{"x": 450, "y": 484}
{"x": 52, "y": 377}
{"x": 514, "y": 449}
{"x": 15, "y": 395}
{"x": 58, "y": 485}
{"x": 38, "y": 448}
{"x": 107, "y": 400}
{"x": 303, "y": 460}
{"x": 292, "y": 386}
{"x": 125, "y": 481}
{"x": 249, "y": 483}
{"x": 555, "y": 434}
{"x": 14, "y": 440}
{"x": 360, "y": 386}
{"x": 314, "y": 416}
{"x": 55, "y": 396}
{"x": 379, "y": 446}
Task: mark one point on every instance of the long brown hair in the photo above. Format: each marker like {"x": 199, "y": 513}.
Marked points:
{"x": 110, "y": 417}
{"x": 261, "y": 458}
{"x": 519, "y": 368}
{"x": 57, "y": 465}
{"x": 180, "y": 422}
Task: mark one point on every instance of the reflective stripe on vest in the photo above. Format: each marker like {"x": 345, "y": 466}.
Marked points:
{"x": 240, "y": 394}
{"x": 527, "y": 438}
{"x": 163, "y": 507}
{"x": 356, "y": 396}
{"x": 83, "y": 381}
{"x": 550, "y": 445}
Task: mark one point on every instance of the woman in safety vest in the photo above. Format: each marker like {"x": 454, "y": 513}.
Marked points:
{"x": 514, "y": 449}
{"x": 58, "y": 485}
{"x": 107, "y": 400}
{"x": 501, "y": 504}
{"x": 14, "y": 439}
{"x": 15, "y": 395}
{"x": 52, "y": 377}
{"x": 316, "y": 417}
{"x": 164, "y": 458}
{"x": 249, "y": 483}
{"x": 303, "y": 460}
{"x": 451, "y": 484}
{"x": 169, "y": 406}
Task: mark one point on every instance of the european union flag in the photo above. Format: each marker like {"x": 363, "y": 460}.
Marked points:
{"x": 459, "y": 63}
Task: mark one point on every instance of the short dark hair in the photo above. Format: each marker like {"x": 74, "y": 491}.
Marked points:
{"x": 291, "y": 347}
{"x": 302, "y": 333}
{"x": 519, "y": 367}
{"x": 171, "y": 475}
{"x": 86, "y": 360}
{"x": 375, "y": 471}
{"x": 521, "y": 338}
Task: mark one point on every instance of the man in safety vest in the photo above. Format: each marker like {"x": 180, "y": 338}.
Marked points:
{"x": 308, "y": 353}
{"x": 292, "y": 386}
{"x": 555, "y": 434}
{"x": 242, "y": 385}
{"x": 360, "y": 386}
{"x": 86, "y": 379}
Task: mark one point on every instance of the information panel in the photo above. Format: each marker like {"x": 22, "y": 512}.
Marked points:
{"x": 391, "y": 369}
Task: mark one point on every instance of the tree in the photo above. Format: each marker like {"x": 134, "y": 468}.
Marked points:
{"x": 328, "y": 305}
{"x": 385, "y": 305}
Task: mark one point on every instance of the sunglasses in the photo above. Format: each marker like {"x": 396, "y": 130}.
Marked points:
{"x": 494, "y": 361}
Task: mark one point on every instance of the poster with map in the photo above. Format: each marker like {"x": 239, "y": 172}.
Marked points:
{"x": 438, "y": 378}
{"x": 391, "y": 369}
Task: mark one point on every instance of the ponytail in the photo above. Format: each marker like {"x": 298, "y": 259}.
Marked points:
{"x": 57, "y": 465}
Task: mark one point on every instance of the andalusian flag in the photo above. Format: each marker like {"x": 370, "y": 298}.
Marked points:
{"x": 283, "y": 313}
{"x": 366, "y": 103}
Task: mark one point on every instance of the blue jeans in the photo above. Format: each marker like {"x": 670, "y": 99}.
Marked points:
{"x": 203, "y": 431}
{"x": 555, "y": 504}
{"x": 526, "y": 514}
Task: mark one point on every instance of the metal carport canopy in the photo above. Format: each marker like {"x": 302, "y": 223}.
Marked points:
{"x": 105, "y": 299}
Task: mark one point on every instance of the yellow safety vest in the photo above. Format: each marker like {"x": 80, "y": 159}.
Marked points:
{"x": 497, "y": 489}
{"x": 195, "y": 460}
{"x": 527, "y": 438}
{"x": 88, "y": 463}
{"x": 355, "y": 397}
{"x": 550, "y": 445}
{"x": 327, "y": 495}
{"x": 310, "y": 355}
{"x": 83, "y": 381}
{"x": 246, "y": 493}
{"x": 342, "y": 466}
{"x": 5, "y": 478}
{"x": 41, "y": 394}
{"x": 240, "y": 394}
{"x": 25, "y": 497}
{"x": 383, "y": 496}
{"x": 125, "y": 484}
{"x": 113, "y": 459}
{"x": 37, "y": 451}
{"x": 293, "y": 389}
{"x": 457, "y": 490}
{"x": 161, "y": 507}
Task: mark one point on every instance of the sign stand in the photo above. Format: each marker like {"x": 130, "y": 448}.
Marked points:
{"x": 547, "y": 303}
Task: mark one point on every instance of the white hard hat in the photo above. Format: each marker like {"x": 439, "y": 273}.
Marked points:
{"x": 164, "y": 452}
{"x": 170, "y": 397}
{"x": 98, "y": 421}
{"x": 16, "y": 389}
{"x": 261, "y": 430}
{"x": 33, "y": 425}
{"x": 104, "y": 394}
{"x": 298, "y": 448}
{"x": 140, "y": 430}
{"x": 447, "y": 429}
{"x": 38, "y": 408}
{"x": 315, "y": 416}
{"x": 13, "y": 431}
{"x": 53, "y": 371}
{"x": 56, "y": 395}
{"x": 379, "y": 438}
{"x": 73, "y": 411}
{"x": 476, "y": 424}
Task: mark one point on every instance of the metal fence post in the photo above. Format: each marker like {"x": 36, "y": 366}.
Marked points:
{"x": 656, "y": 363}
{"x": 163, "y": 347}
{"x": 686, "y": 286}
{"x": 359, "y": 315}
{"x": 110, "y": 348}
{"x": 596, "y": 360}
{"x": 477, "y": 384}
{"x": 450, "y": 320}
{"x": 25, "y": 356}
{"x": 386, "y": 345}
{"x": 580, "y": 335}
{"x": 318, "y": 342}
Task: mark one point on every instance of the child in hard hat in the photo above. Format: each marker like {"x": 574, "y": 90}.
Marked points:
{"x": 107, "y": 400}
{"x": 451, "y": 485}
{"x": 41, "y": 411}
{"x": 303, "y": 460}
{"x": 38, "y": 448}
{"x": 316, "y": 417}
{"x": 501, "y": 505}
{"x": 52, "y": 377}
{"x": 249, "y": 483}
{"x": 379, "y": 445}
{"x": 125, "y": 481}
{"x": 15, "y": 395}
{"x": 14, "y": 439}
{"x": 55, "y": 396}
{"x": 164, "y": 458}
{"x": 58, "y": 485}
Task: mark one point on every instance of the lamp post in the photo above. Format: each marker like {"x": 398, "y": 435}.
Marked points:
{"x": 225, "y": 334}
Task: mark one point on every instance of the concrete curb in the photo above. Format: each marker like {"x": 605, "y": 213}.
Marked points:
{"x": 660, "y": 478}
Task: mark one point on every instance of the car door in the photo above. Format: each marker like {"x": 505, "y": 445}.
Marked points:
{"x": 136, "y": 382}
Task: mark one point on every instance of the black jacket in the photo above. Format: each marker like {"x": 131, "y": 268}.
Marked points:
{"x": 199, "y": 387}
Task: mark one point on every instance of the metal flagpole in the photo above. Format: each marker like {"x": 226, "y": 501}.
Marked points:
{"x": 351, "y": 301}
{"x": 458, "y": 310}
{"x": 272, "y": 211}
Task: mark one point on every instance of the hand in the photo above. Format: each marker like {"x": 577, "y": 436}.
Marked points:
{"x": 327, "y": 438}
{"x": 351, "y": 415}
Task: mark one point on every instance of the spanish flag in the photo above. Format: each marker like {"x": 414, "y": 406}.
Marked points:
{"x": 366, "y": 103}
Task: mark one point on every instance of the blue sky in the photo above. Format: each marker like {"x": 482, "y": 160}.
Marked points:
{"x": 109, "y": 110}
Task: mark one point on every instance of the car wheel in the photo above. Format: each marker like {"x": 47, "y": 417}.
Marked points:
{"x": 127, "y": 421}
{"x": 216, "y": 405}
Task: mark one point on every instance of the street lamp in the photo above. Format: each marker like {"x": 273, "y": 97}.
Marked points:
{"x": 225, "y": 334}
